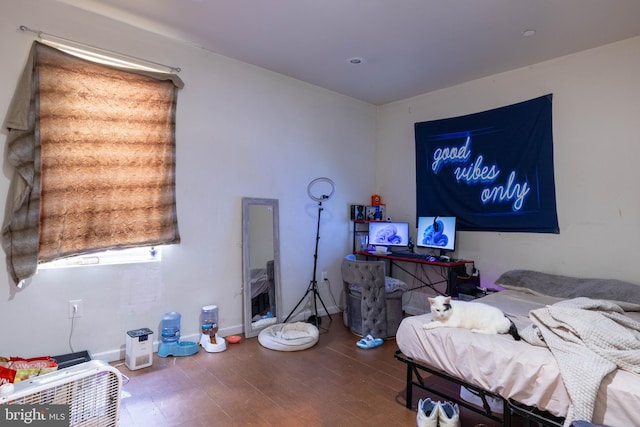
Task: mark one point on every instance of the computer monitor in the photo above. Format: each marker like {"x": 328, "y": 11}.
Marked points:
{"x": 437, "y": 232}
{"x": 389, "y": 233}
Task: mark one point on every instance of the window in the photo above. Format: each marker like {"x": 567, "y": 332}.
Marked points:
{"x": 120, "y": 256}
{"x": 94, "y": 152}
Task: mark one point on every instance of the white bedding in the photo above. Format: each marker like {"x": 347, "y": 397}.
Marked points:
{"x": 515, "y": 369}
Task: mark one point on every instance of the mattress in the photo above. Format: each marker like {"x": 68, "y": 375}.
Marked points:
{"x": 514, "y": 369}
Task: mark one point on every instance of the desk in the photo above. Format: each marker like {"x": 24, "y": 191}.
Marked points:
{"x": 443, "y": 268}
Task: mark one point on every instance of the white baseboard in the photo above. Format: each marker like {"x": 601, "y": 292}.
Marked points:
{"x": 119, "y": 354}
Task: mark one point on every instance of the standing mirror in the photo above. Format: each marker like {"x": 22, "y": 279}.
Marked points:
{"x": 261, "y": 264}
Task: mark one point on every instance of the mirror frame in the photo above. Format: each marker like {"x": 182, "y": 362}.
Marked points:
{"x": 247, "y": 202}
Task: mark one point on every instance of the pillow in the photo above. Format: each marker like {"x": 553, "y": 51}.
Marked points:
{"x": 391, "y": 284}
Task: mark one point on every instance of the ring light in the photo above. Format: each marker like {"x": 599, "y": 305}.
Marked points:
{"x": 313, "y": 285}
{"x": 323, "y": 196}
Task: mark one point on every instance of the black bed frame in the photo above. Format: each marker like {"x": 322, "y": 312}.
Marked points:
{"x": 416, "y": 377}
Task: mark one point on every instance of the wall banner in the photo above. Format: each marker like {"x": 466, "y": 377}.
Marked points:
{"x": 492, "y": 170}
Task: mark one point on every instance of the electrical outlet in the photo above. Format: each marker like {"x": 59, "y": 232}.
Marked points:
{"x": 75, "y": 308}
{"x": 324, "y": 276}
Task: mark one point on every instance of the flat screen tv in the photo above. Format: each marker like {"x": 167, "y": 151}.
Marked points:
{"x": 437, "y": 232}
{"x": 389, "y": 233}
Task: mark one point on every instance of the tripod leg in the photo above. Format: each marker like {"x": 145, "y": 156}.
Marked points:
{"x": 297, "y": 305}
{"x": 323, "y": 306}
{"x": 316, "y": 319}
{"x": 316, "y": 297}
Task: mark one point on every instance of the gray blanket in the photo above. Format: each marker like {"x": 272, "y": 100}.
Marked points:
{"x": 570, "y": 287}
{"x": 589, "y": 339}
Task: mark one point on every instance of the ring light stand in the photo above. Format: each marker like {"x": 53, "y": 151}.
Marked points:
{"x": 313, "y": 285}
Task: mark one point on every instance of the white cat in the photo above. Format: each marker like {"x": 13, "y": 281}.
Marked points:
{"x": 476, "y": 316}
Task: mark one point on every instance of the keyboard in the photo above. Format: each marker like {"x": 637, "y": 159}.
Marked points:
{"x": 424, "y": 257}
{"x": 409, "y": 255}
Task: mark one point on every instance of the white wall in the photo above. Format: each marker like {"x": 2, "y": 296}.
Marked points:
{"x": 596, "y": 128}
{"x": 241, "y": 131}
{"x": 244, "y": 131}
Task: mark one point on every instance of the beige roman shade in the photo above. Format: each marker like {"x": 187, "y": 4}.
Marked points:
{"x": 93, "y": 148}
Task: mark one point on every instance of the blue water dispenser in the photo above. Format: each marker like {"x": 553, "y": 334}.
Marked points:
{"x": 171, "y": 327}
{"x": 170, "y": 333}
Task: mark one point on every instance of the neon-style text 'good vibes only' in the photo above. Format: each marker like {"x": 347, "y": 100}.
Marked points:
{"x": 477, "y": 173}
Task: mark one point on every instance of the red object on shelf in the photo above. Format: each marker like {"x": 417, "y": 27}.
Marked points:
{"x": 376, "y": 200}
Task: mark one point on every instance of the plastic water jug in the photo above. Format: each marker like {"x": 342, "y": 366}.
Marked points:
{"x": 171, "y": 327}
{"x": 209, "y": 319}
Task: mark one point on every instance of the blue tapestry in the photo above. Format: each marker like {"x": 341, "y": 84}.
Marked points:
{"x": 492, "y": 170}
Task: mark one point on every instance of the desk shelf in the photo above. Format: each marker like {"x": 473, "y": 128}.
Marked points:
{"x": 361, "y": 229}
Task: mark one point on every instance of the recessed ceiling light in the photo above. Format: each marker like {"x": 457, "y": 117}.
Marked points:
{"x": 355, "y": 60}
{"x": 528, "y": 33}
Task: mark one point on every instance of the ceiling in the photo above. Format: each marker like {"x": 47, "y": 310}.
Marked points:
{"x": 408, "y": 47}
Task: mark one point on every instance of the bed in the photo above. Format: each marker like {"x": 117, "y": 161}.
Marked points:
{"x": 524, "y": 378}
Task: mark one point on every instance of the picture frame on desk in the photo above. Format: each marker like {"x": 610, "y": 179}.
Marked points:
{"x": 358, "y": 212}
{"x": 375, "y": 213}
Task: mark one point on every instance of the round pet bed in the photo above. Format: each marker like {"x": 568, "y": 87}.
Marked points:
{"x": 289, "y": 336}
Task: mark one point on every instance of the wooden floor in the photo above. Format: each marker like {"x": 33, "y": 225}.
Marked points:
{"x": 334, "y": 383}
